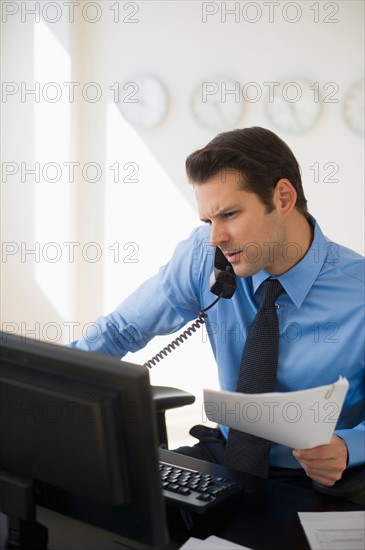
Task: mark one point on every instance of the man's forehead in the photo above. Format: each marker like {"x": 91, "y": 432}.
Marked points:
{"x": 216, "y": 197}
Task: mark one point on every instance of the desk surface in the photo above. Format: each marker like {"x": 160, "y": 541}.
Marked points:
{"x": 265, "y": 516}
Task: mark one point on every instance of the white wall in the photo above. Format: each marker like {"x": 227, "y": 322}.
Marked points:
{"x": 126, "y": 230}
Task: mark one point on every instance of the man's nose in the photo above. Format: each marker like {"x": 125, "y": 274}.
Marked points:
{"x": 217, "y": 235}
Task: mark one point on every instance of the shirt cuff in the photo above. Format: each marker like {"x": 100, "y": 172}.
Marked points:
{"x": 355, "y": 441}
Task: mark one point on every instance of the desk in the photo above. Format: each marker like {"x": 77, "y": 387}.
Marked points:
{"x": 264, "y": 517}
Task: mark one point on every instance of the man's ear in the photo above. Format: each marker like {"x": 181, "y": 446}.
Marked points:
{"x": 285, "y": 196}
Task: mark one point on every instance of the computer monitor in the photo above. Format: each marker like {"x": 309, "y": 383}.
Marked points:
{"x": 78, "y": 436}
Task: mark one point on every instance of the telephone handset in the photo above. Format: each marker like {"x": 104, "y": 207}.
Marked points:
{"x": 222, "y": 280}
{"x": 223, "y": 284}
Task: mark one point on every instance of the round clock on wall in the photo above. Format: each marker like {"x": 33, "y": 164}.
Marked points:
{"x": 292, "y": 106}
{"x": 217, "y": 104}
{"x": 353, "y": 107}
{"x": 143, "y": 101}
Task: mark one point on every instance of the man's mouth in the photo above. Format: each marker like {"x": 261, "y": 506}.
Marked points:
{"x": 233, "y": 256}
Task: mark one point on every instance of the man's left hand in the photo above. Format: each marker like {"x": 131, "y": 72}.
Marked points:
{"x": 326, "y": 463}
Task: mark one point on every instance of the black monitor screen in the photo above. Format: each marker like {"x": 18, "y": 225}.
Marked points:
{"x": 80, "y": 428}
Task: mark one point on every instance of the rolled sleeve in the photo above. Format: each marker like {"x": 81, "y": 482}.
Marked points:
{"x": 161, "y": 305}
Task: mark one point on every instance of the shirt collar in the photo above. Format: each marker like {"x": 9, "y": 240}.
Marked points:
{"x": 298, "y": 281}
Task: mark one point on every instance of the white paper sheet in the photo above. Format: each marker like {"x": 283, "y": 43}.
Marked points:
{"x": 211, "y": 543}
{"x": 334, "y": 530}
{"x": 300, "y": 419}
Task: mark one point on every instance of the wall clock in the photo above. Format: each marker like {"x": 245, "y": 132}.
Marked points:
{"x": 143, "y": 101}
{"x": 353, "y": 107}
{"x": 292, "y": 106}
{"x": 214, "y": 107}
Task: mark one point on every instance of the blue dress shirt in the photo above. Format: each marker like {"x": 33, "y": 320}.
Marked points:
{"x": 321, "y": 318}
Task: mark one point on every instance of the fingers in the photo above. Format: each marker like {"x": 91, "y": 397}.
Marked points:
{"x": 326, "y": 474}
{"x": 324, "y": 452}
{"x": 326, "y": 463}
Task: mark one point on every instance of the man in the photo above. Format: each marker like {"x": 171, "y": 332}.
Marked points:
{"x": 249, "y": 193}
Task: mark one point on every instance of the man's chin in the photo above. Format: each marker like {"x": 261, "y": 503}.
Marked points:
{"x": 246, "y": 270}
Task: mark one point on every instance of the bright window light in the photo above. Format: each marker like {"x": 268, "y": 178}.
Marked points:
{"x": 52, "y": 67}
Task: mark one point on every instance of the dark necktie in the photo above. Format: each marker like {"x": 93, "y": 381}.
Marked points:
{"x": 259, "y": 363}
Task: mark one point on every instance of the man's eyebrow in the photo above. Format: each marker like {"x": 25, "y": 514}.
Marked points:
{"x": 222, "y": 211}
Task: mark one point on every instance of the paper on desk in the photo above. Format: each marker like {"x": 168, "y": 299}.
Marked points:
{"x": 334, "y": 530}
{"x": 300, "y": 419}
{"x": 211, "y": 543}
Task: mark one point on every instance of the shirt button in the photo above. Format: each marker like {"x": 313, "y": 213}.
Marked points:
{"x": 277, "y": 306}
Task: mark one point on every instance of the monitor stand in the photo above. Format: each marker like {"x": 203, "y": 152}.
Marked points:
{"x": 18, "y": 504}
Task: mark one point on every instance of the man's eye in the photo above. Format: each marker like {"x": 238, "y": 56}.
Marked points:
{"x": 229, "y": 214}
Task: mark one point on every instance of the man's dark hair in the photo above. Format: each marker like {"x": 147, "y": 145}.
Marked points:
{"x": 260, "y": 157}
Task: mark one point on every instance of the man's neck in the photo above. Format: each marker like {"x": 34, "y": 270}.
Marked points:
{"x": 299, "y": 237}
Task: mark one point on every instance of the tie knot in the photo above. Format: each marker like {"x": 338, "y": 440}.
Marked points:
{"x": 271, "y": 291}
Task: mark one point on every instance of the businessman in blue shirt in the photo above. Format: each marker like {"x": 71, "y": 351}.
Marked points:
{"x": 249, "y": 194}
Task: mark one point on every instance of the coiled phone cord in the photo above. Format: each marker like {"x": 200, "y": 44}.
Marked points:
{"x": 182, "y": 337}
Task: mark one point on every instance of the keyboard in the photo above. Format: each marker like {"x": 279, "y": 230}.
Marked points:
{"x": 194, "y": 490}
